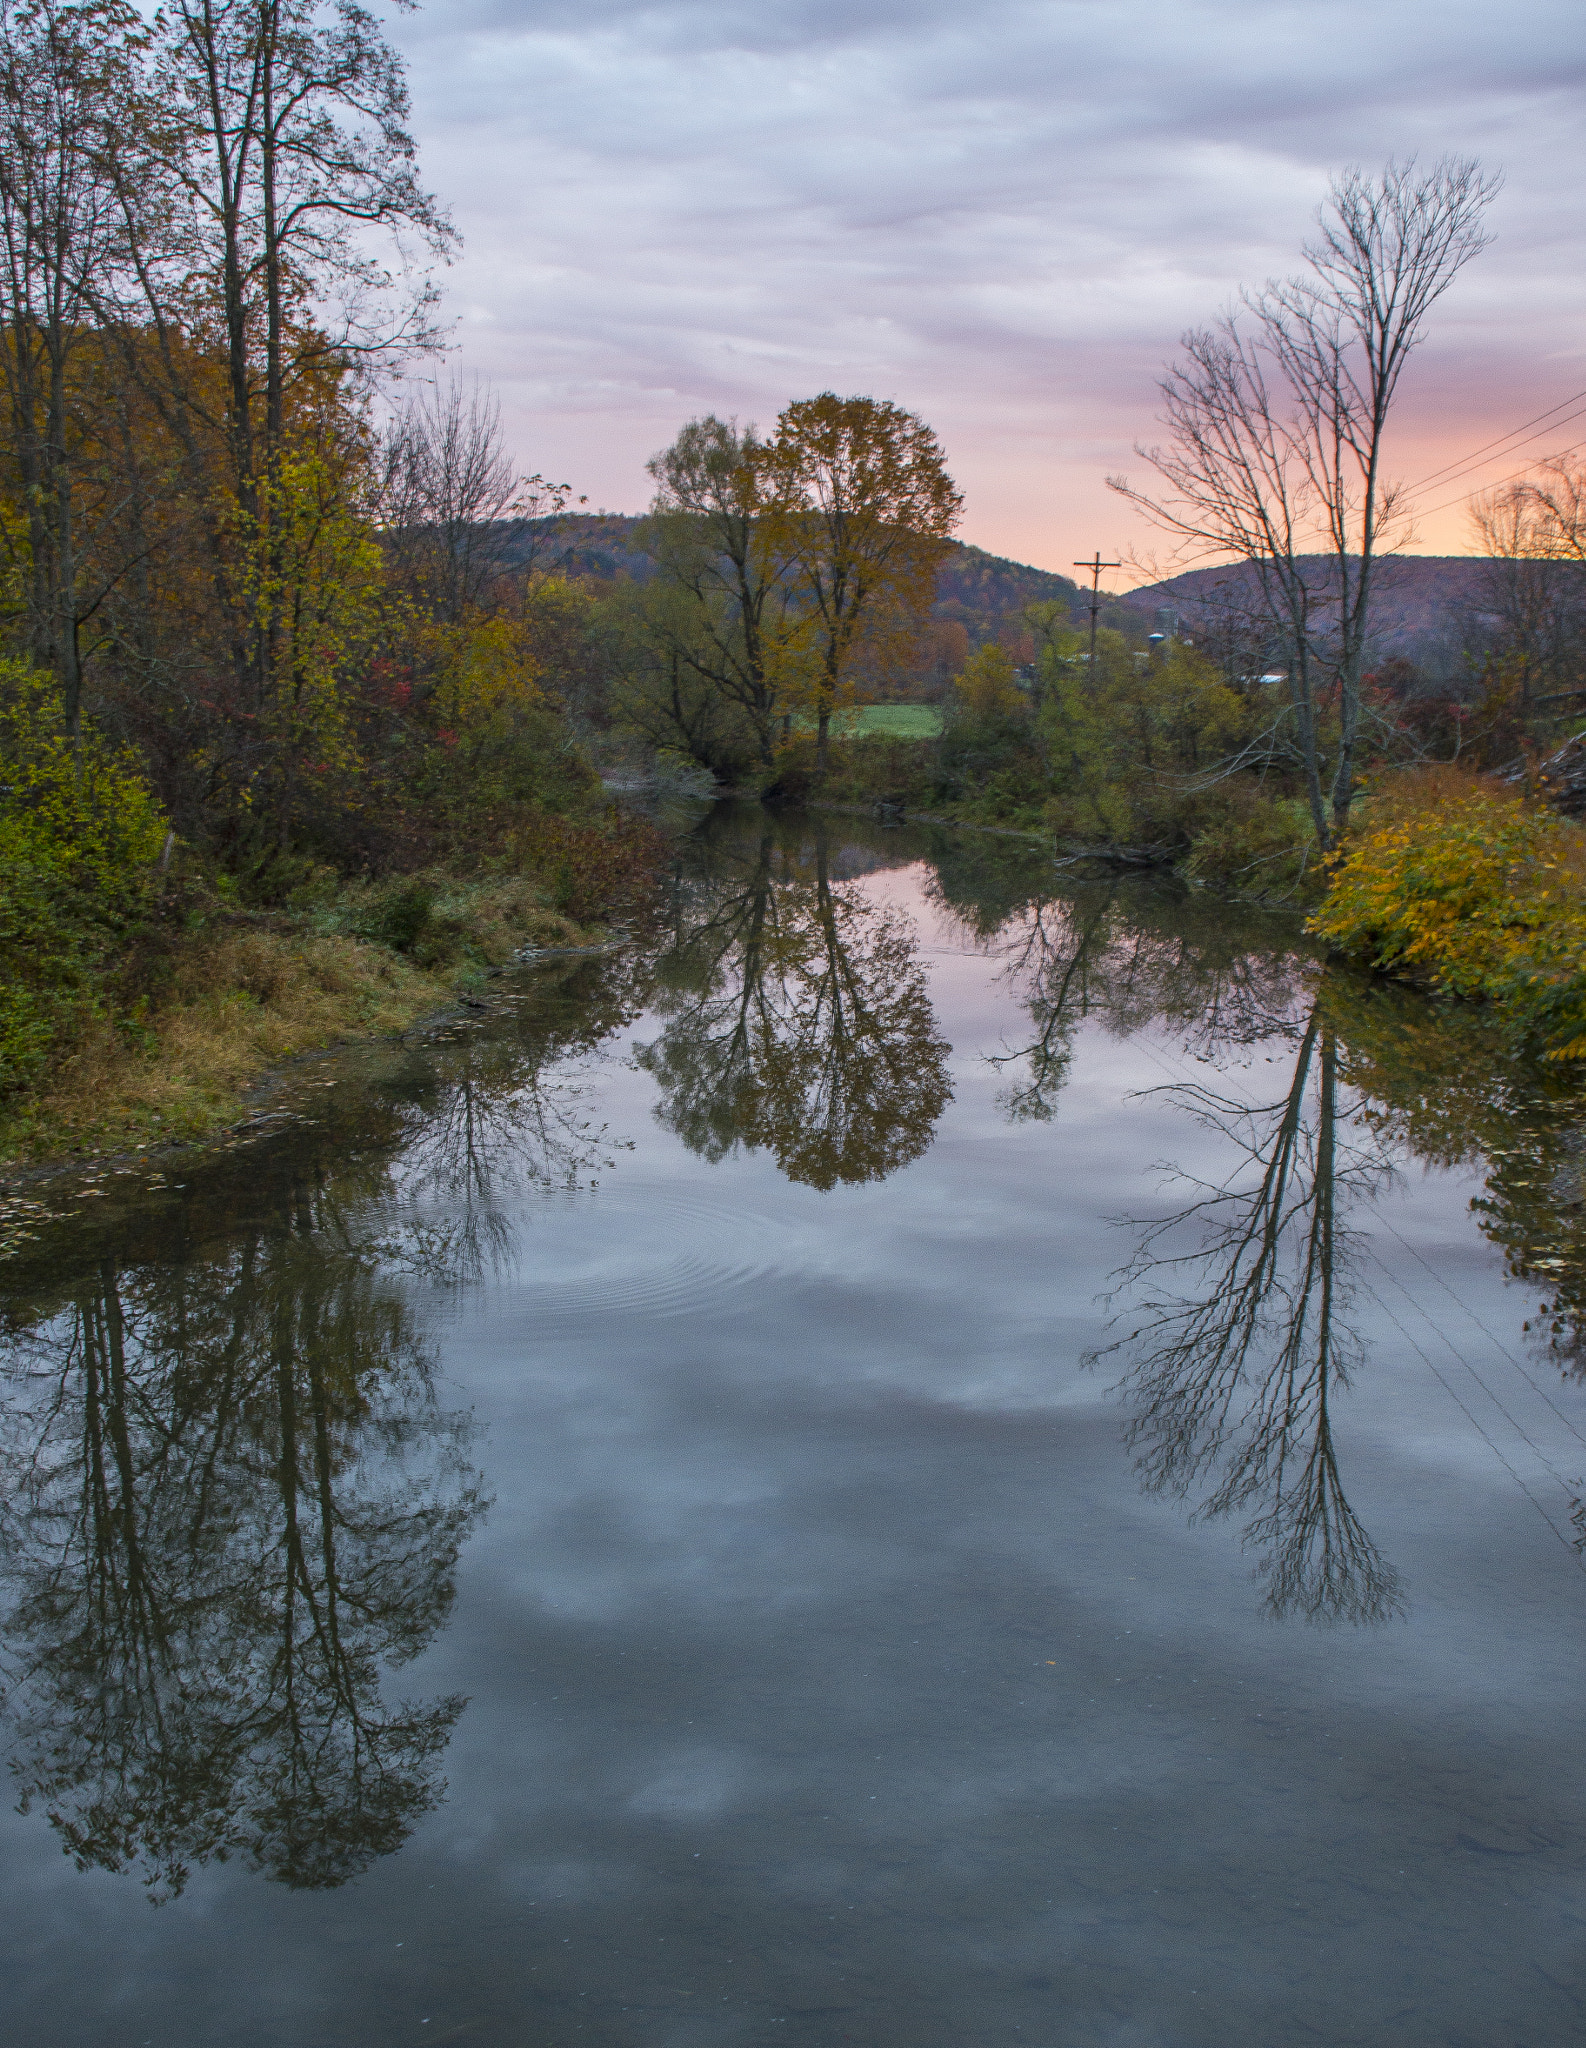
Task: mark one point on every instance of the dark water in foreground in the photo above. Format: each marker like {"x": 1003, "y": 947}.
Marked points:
{"x": 602, "y": 1527}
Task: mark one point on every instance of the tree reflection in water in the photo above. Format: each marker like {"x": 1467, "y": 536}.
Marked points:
{"x": 1124, "y": 953}
{"x": 1244, "y": 1338}
{"x": 232, "y": 1501}
{"x": 798, "y": 1019}
{"x": 1444, "y": 1083}
{"x": 1243, "y": 1335}
{"x": 498, "y": 1111}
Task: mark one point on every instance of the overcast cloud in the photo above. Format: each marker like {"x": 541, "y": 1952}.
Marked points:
{"x": 999, "y": 215}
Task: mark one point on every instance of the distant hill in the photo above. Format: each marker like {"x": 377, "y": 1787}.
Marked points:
{"x": 978, "y": 589}
{"x": 1419, "y": 609}
{"x": 982, "y": 589}
{"x": 587, "y": 544}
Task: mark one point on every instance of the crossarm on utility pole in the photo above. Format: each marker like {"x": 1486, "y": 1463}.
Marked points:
{"x": 1095, "y": 569}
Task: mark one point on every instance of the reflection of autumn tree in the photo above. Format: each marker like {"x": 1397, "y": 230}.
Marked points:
{"x": 1244, "y": 1338}
{"x": 231, "y": 1504}
{"x": 798, "y": 1019}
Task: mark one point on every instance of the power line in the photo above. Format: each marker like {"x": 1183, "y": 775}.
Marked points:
{"x": 1456, "y": 474}
{"x": 1491, "y": 1335}
{"x": 1473, "y": 1420}
{"x": 1514, "y": 476}
{"x": 1464, "y": 462}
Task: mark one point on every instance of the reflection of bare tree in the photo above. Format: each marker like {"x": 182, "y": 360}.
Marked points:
{"x": 1057, "y": 952}
{"x": 798, "y": 1018}
{"x": 1244, "y": 1338}
{"x": 499, "y": 1110}
{"x": 231, "y": 1505}
{"x": 1129, "y": 956}
{"x": 496, "y": 1124}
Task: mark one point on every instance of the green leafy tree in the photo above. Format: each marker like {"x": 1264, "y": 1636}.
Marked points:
{"x": 1135, "y": 746}
{"x": 726, "y": 618}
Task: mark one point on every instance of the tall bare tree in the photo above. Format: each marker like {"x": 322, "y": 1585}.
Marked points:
{"x": 68, "y": 81}
{"x": 455, "y": 511}
{"x": 291, "y": 139}
{"x": 1277, "y": 415}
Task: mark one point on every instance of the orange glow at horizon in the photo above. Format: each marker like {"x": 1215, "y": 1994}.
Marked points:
{"x": 1054, "y": 517}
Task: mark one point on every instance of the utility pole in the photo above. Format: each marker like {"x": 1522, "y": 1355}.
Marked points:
{"x": 1095, "y": 569}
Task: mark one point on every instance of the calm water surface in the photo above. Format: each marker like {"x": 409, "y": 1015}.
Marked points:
{"x": 946, "y": 1454}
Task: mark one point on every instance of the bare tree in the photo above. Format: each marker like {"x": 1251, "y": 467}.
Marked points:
{"x": 67, "y": 74}
{"x": 1531, "y": 608}
{"x": 289, "y": 141}
{"x": 1277, "y": 415}
{"x": 456, "y": 513}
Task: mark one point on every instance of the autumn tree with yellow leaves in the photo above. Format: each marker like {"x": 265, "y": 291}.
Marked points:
{"x": 859, "y": 510}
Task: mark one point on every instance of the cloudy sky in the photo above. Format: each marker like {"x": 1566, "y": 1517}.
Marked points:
{"x": 1000, "y": 215}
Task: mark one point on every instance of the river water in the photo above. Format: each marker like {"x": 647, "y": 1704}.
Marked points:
{"x": 943, "y": 1452}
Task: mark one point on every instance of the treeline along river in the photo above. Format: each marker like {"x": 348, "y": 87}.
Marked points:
{"x": 945, "y": 1450}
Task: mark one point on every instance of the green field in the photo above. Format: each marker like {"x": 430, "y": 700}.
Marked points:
{"x": 902, "y": 721}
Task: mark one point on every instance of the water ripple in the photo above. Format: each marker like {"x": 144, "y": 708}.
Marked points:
{"x": 710, "y": 1256}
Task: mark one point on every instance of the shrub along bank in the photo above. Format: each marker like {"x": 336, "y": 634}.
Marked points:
{"x": 140, "y": 990}
{"x": 1475, "y": 891}
{"x": 1154, "y": 753}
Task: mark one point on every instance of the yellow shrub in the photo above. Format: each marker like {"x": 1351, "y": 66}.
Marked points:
{"x": 79, "y": 835}
{"x": 1480, "y": 893}
{"x": 988, "y": 687}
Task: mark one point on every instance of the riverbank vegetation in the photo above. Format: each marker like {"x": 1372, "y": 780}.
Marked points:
{"x": 304, "y": 702}
{"x": 142, "y": 986}
{"x": 292, "y": 727}
{"x": 1477, "y": 892}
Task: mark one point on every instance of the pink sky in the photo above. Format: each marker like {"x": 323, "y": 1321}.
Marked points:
{"x": 1000, "y": 216}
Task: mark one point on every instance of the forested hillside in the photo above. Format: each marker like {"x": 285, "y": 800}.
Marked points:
{"x": 1428, "y": 609}
{"x": 979, "y": 597}
{"x": 970, "y": 585}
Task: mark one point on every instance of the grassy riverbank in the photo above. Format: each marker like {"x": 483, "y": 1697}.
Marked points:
{"x": 188, "y": 1018}
{"x": 145, "y": 981}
